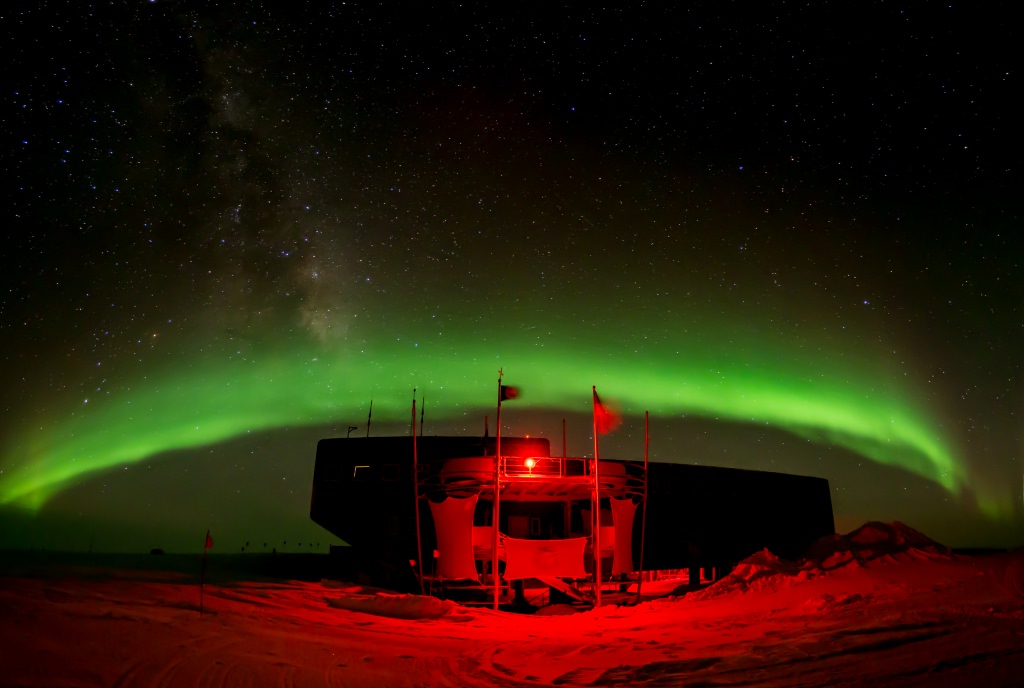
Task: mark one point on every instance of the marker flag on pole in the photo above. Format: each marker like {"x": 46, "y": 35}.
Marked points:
{"x": 605, "y": 419}
{"x": 209, "y": 541}
{"x": 507, "y": 393}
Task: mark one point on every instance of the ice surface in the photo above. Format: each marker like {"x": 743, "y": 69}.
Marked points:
{"x": 883, "y": 605}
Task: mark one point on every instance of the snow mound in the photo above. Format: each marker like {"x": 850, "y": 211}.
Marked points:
{"x": 874, "y": 541}
{"x": 761, "y": 565}
{"x": 394, "y": 606}
{"x": 759, "y": 571}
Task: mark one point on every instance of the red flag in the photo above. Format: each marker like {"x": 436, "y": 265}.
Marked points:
{"x": 508, "y": 393}
{"x": 209, "y": 541}
{"x": 605, "y": 419}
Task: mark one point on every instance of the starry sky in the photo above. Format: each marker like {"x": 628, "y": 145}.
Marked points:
{"x": 790, "y": 232}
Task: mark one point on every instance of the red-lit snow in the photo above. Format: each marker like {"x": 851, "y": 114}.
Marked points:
{"x": 883, "y": 605}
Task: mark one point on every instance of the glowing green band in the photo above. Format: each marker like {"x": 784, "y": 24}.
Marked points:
{"x": 211, "y": 403}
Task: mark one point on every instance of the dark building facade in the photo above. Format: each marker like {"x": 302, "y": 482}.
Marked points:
{"x": 697, "y": 517}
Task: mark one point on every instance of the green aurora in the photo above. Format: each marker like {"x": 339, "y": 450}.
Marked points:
{"x": 851, "y": 406}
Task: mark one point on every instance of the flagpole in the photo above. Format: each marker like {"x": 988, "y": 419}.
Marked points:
{"x": 369, "y": 417}
{"x": 496, "y": 517}
{"x": 643, "y": 519}
{"x": 563, "y": 439}
{"x": 596, "y": 519}
{"x": 207, "y": 544}
{"x": 416, "y": 494}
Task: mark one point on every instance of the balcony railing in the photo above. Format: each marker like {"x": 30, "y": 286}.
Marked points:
{"x": 544, "y": 466}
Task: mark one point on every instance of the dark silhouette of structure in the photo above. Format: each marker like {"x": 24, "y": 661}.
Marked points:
{"x": 697, "y": 517}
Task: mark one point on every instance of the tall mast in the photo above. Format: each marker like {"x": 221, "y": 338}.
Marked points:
{"x": 643, "y": 519}
{"x": 596, "y": 518}
{"x": 497, "y": 497}
{"x": 369, "y": 417}
{"x": 416, "y": 494}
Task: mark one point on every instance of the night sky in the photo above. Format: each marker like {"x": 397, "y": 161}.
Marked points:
{"x": 790, "y": 231}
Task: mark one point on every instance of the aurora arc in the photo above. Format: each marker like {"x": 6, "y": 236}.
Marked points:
{"x": 207, "y": 404}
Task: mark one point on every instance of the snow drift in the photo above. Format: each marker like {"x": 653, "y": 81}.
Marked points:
{"x": 883, "y": 605}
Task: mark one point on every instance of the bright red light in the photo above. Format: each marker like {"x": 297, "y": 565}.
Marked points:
{"x": 530, "y": 463}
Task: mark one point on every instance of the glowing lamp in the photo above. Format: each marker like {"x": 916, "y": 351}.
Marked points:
{"x": 530, "y": 463}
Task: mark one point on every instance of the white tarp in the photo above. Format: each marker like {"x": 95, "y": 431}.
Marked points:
{"x": 453, "y": 523}
{"x": 544, "y": 558}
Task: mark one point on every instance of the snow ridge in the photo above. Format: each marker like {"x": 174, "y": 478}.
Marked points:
{"x": 873, "y": 542}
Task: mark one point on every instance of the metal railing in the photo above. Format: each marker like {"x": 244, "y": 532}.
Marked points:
{"x": 544, "y": 466}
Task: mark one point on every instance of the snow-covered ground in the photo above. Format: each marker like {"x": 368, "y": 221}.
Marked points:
{"x": 880, "y": 606}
